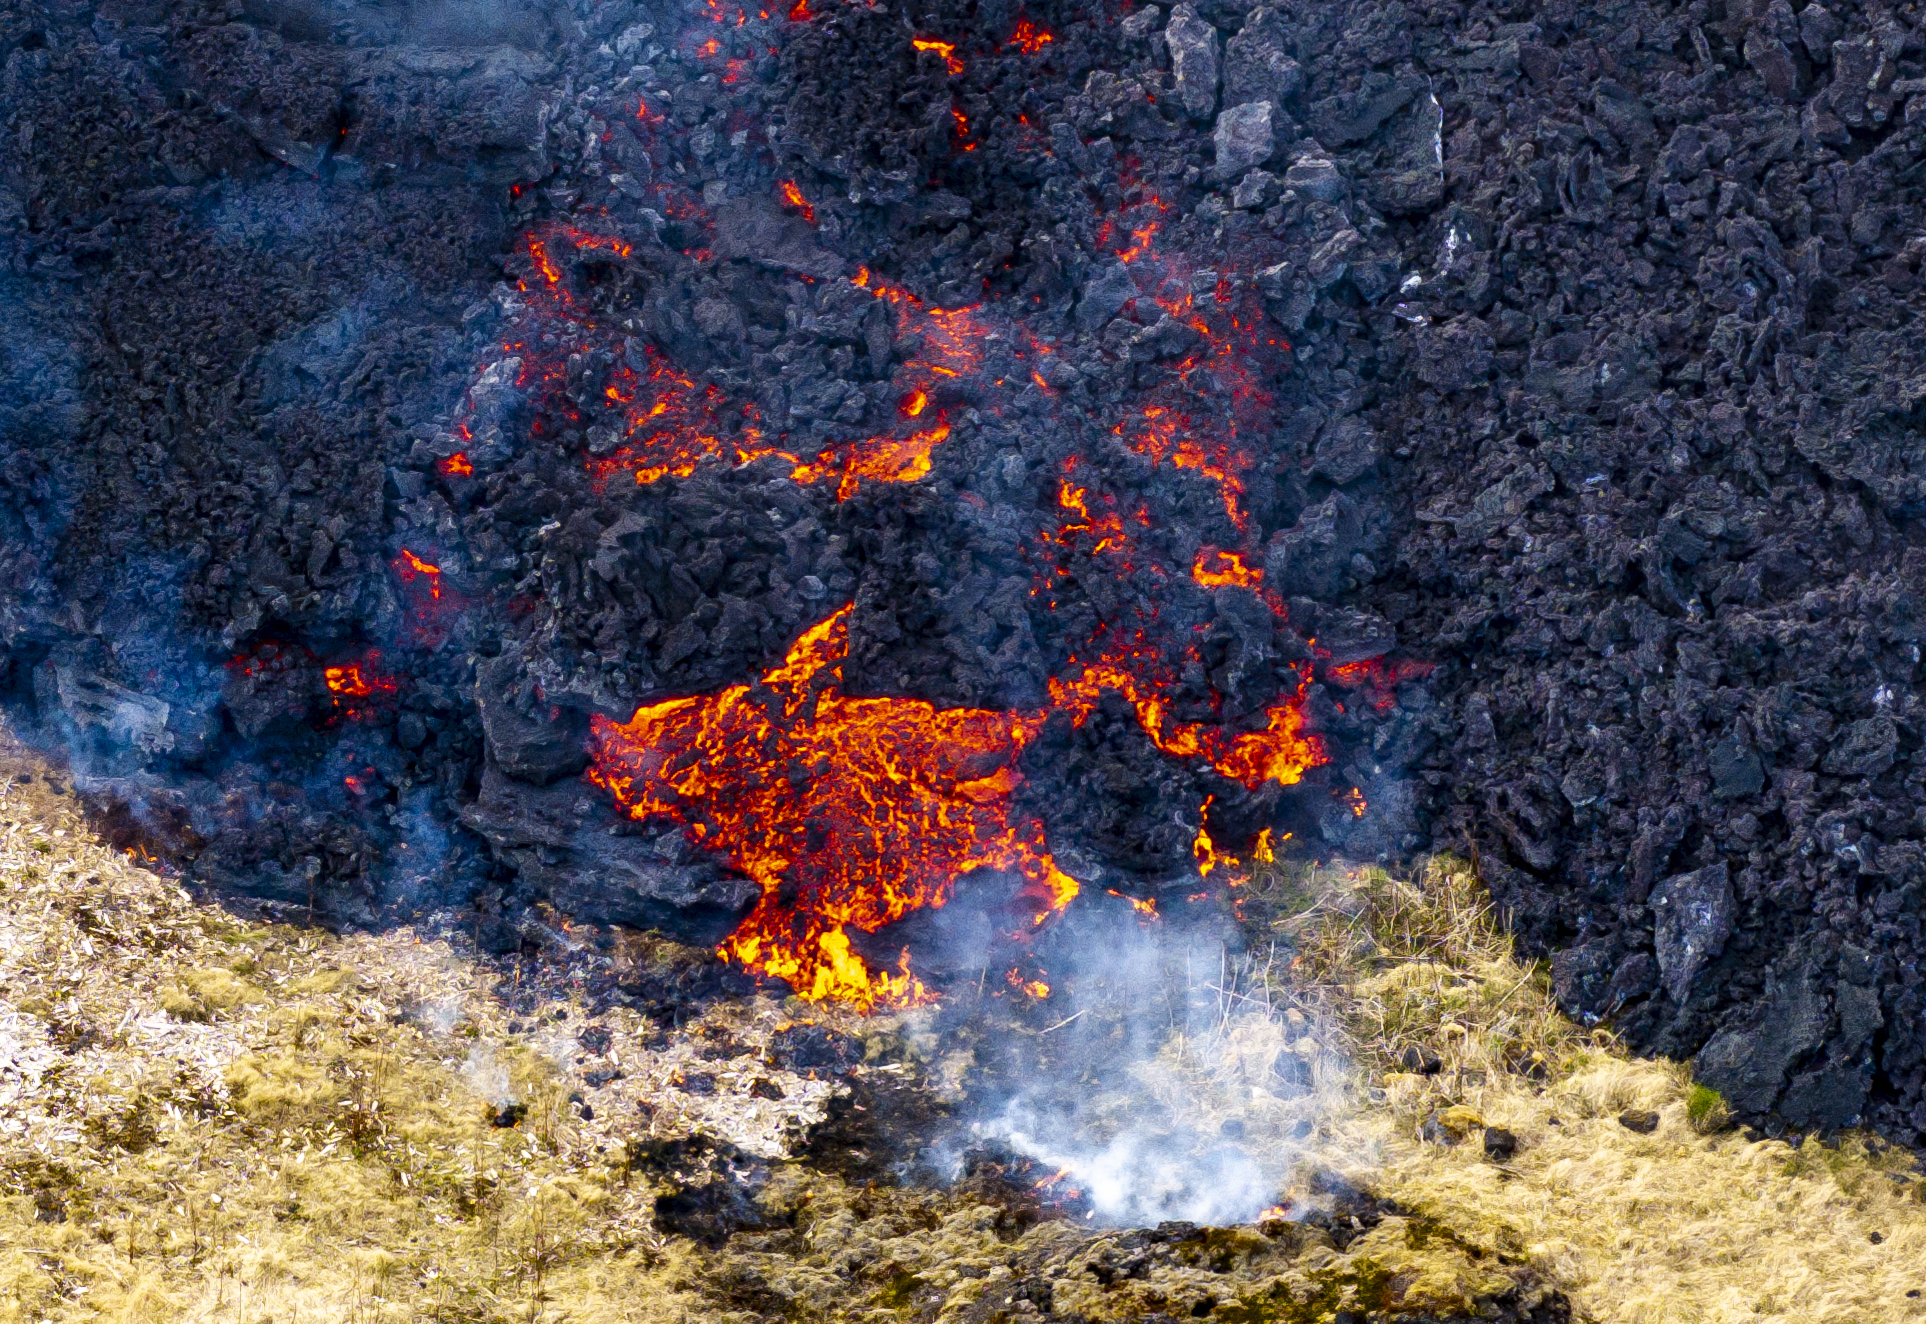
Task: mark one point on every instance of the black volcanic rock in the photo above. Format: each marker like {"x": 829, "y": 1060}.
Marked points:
{"x": 1601, "y": 396}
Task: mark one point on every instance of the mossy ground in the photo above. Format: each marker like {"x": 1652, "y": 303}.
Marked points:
{"x": 205, "y": 1118}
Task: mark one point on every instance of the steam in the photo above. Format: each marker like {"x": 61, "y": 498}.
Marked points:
{"x": 1176, "y": 1085}
{"x": 488, "y": 1078}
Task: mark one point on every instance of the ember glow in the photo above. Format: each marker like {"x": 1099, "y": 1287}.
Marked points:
{"x": 1214, "y": 568}
{"x": 456, "y": 466}
{"x": 358, "y": 679}
{"x": 848, "y": 813}
{"x": 946, "y": 49}
{"x": 794, "y": 197}
{"x": 1029, "y": 38}
{"x": 851, "y": 813}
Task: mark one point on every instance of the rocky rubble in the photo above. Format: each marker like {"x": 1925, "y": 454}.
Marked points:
{"x": 320, "y": 553}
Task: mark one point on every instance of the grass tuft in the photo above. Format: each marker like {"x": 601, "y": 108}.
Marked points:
{"x": 1706, "y": 1110}
{"x": 1689, "y": 1223}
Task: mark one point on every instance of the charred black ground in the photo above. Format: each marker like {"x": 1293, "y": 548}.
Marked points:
{"x": 1602, "y": 397}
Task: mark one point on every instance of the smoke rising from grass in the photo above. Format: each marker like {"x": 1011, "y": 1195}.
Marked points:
{"x": 1173, "y": 1085}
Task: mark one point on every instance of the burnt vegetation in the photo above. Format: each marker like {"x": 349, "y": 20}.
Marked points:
{"x": 1503, "y": 420}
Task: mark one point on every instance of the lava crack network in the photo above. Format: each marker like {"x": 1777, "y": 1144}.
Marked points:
{"x": 848, "y": 812}
{"x": 854, "y": 812}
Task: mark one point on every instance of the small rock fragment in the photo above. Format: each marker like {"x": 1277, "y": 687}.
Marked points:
{"x": 1243, "y": 138}
{"x": 1421, "y": 1060}
{"x": 1692, "y": 918}
{"x": 1635, "y": 1119}
{"x": 1193, "y": 60}
{"x": 1315, "y": 176}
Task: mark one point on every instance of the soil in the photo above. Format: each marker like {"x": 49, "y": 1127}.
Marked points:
{"x": 1567, "y": 382}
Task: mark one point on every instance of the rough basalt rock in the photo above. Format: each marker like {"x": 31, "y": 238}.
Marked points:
{"x": 1600, "y": 395}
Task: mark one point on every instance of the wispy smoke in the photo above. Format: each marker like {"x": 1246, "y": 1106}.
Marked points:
{"x": 1174, "y": 1086}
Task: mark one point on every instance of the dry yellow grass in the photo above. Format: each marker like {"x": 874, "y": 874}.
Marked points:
{"x": 206, "y": 1120}
{"x": 1674, "y": 1227}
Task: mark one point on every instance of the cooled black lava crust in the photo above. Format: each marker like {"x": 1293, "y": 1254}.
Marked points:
{"x": 1606, "y": 397}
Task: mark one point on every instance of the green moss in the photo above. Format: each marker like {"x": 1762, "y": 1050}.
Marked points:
{"x": 1706, "y": 1110}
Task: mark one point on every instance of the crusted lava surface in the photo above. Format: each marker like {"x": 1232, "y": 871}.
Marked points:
{"x": 440, "y": 437}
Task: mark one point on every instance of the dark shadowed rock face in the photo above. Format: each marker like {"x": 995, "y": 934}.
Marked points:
{"x": 319, "y": 553}
{"x": 1692, "y": 918}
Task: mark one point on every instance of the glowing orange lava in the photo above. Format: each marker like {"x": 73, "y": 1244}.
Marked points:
{"x": 1029, "y": 38}
{"x": 409, "y": 568}
{"x": 671, "y": 423}
{"x": 880, "y": 459}
{"x": 456, "y": 465}
{"x": 1165, "y": 436}
{"x": 946, "y": 49}
{"x": 1282, "y": 752}
{"x": 849, "y": 813}
{"x": 855, "y": 812}
{"x": 349, "y": 682}
{"x": 794, "y": 197}
{"x": 1215, "y": 568}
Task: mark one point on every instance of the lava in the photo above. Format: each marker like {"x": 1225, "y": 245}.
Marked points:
{"x": 1378, "y": 678}
{"x": 671, "y": 423}
{"x": 1282, "y": 752}
{"x": 946, "y": 49}
{"x": 880, "y": 459}
{"x": 1166, "y": 436}
{"x": 411, "y": 569}
{"x": 358, "y": 679}
{"x": 1214, "y": 568}
{"x": 851, "y": 813}
{"x": 847, "y": 812}
{"x": 1029, "y": 38}
{"x": 457, "y": 465}
{"x": 793, "y": 196}
{"x": 854, "y": 812}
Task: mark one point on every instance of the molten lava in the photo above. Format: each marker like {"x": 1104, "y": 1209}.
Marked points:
{"x": 849, "y": 813}
{"x": 1214, "y": 568}
{"x": 793, "y": 196}
{"x": 946, "y": 49}
{"x": 412, "y": 571}
{"x": 855, "y": 812}
{"x": 1282, "y": 752}
{"x": 1165, "y": 436}
{"x": 880, "y": 459}
{"x": 360, "y": 679}
{"x": 1029, "y": 38}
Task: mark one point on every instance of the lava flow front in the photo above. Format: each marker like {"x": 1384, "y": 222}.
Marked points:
{"x": 857, "y": 811}
{"x": 850, "y": 813}
{"x": 846, "y": 811}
